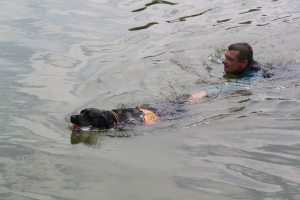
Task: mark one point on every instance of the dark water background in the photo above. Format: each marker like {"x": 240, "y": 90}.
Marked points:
{"x": 57, "y": 57}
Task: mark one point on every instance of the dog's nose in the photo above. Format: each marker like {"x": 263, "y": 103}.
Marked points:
{"x": 73, "y": 119}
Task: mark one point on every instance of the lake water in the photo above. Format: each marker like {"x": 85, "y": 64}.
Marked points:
{"x": 58, "y": 57}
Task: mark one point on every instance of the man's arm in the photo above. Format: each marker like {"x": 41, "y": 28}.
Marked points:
{"x": 198, "y": 95}
{"x": 240, "y": 84}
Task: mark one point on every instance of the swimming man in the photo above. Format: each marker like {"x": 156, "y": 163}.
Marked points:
{"x": 238, "y": 61}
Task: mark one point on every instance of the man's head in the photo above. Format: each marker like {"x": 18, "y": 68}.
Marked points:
{"x": 237, "y": 58}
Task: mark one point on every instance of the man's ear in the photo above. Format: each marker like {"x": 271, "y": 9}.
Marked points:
{"x": 245, "y": 63}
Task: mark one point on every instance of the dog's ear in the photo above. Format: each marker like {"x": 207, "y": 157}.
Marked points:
{"x": 111, "y": 120}
{"x": 103, "y": 122}
{"x": 83, "y": 111}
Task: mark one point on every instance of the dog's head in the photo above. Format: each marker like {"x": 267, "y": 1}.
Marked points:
{"x": 92, "y": 118}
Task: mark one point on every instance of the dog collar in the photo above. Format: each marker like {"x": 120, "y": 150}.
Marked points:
{"x": 116, "y": 117}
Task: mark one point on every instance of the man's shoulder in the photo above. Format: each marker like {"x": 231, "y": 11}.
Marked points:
{"x": 255, "y": 66}
{"x": 258, "y": 68}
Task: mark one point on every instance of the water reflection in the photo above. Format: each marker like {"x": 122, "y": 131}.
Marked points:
{"x": 289, "y": 187}
{"x": 94, "y": 139}
{"x": 185, "y": 17}
{"x": 224, "y": 20}
{"x": 61, "y": 56}
{"x": 283, "y": 149}
{"x": 251, "y": 10}
{"x": 91, "y": 138}
{"x": 247, "y": 22}
{"x": 211, "y": 188}
{"x": 153, "y": 3}
{"x": 143, "y": 27}
{"x": 223, "y": 151}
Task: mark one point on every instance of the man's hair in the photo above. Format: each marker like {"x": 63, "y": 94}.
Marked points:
{"x": 244, "y": 49}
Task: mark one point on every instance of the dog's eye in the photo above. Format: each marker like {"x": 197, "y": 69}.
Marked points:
{"x": 87, "y": 116}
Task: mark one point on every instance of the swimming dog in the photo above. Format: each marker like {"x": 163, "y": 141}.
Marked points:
{"x": 92, "y": 119}
{"x": 126, "y": 118}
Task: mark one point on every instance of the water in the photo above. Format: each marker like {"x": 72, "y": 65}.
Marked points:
{"x": 58, "y": 57}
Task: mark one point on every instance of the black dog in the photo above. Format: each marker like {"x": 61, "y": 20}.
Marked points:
{"x": 125, "y": 118}
{"x": 92, "y": 118}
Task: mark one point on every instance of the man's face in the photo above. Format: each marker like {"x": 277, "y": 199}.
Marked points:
{"x": 232, "y": 64}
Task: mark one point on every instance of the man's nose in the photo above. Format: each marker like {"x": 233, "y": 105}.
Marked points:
{"x": 224, "y": 61}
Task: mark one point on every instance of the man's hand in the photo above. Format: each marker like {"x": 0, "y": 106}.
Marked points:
{"x": 198, "y": 95}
